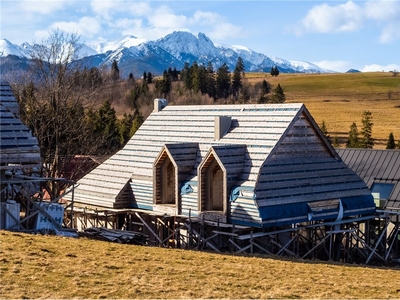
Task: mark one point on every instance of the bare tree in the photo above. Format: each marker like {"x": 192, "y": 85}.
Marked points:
{"x": 51, "y": 105}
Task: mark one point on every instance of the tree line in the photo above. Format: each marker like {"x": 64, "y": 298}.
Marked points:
{"x": 216, "y": 84}
{"x": 362, "y": 138}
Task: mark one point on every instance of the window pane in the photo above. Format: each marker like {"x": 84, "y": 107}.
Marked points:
{"x": 384, "y": 189}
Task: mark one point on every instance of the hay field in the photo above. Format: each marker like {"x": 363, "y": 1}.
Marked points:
{"x": 340, "y": 99}
{"x": 35, "y": 266}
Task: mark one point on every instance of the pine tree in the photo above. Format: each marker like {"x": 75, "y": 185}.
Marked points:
{"x": 164, "y": 85}
{"x": 236, "y": 82}
{"x": 114, "y": 70}
{"x": 131, "y": 79}
{"x": 366, "y": 130}
{"x": 353, "y": 140}
{"x": 103, "y": 124}
{"x": 134, "y": 96}
{"x": 203, "y": 79}
{"x": 278, "y": 96}
{"x": 240, "y": 66}
{"x": 265, "y": 86}
{"x": 390, "y": 143}
{"x": 149, "y": 78}
{"x": 195, "y": 76}
{"x": 211, "y": 84}
{"x": 124, "y": 126}
{"x": 223, "y": 81}
{"x": 262, "y": 99}
{"x": 244, "y": 95}
{"x": 174, "y": 74}
{"x": 238, "y": 72}
{"x": 186, "y": 76}
{"x": 324, "y": 130}
{"x": 335, "y": 142}
{"x": 274, "y": 71}
{"x": 137, "y": 122}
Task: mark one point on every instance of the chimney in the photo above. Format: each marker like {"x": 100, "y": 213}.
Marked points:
{"x": 221, "y": 126}
{"x": 159, "y": 104}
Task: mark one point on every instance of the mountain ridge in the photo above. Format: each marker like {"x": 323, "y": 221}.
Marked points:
{"x": 173, "y": 50}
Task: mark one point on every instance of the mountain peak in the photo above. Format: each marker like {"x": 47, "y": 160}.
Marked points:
{"x": 183, "y": 42}
{"x": 136, "y": 56}
{"x": 8, "y": 48}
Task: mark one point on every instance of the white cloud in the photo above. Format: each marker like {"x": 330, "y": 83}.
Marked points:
{"x": 126, "y": 23}
{"x": 153, "y": 23}
{"x": 139, "y": 9}
{"x": 337, "y": 65}
{"x": 390, "y": 33}
{"x": 137, "y": 28}
{"x": 218, "y": 27}
{"x": 387, "y": 13}
{"x": 40, "y": 35}
{"x": 86, "y": 27}
{"x": 107, "y": 8}
{"x": 324, "y": 18}
{"x": 42, "y": 7}
{"x": 103, "y": 8}
{"x": 351, "y": 17}
{"x": 159, "y": 23}
{"x": 226, "y": 30}
{"x": 205, "y": 18}
{"x": 163, "y": 17}
{"x": 379, "y": 68}
{"x": 382, "y": 10}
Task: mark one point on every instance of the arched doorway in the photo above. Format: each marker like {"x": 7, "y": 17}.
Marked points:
{"x": 215, "y": 199}
{"x": 167, "y": 182}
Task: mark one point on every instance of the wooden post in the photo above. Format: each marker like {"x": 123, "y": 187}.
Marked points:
{"x": 201, "y": 232}
{"x": 330, "y": 244}
{"x": 72, "y": 207}
{"x": 251, "y": 241}
{"x": 190, "y": 237}
{"x": 149, "y": 228}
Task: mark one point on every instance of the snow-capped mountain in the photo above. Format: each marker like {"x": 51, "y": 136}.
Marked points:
{"x": 127, "y": 42}
{"x": 8, "y": 48}
{"x": 174, "y": 50}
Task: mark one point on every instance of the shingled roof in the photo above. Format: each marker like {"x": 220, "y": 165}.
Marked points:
{"x": 274, "y": 160}
{"x": 18, "y": 147}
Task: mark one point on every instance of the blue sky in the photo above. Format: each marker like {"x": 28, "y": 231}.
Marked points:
{"x": 337, "y": 35}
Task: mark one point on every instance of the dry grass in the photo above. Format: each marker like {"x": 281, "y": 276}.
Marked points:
{"x": 55, "y": 267}
{"x": 340, "y": 100}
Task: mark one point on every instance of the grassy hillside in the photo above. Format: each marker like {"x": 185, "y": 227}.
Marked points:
{"x": 340, "y": 100}
{"x": 35, "y": 266}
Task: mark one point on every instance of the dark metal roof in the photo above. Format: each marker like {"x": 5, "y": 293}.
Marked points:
{"x": 375, "y": 165}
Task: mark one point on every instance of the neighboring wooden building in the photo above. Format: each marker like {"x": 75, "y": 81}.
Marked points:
{"x": 380, "y": 170}
{"x": 19, "y": 149}
{"x": 254, "y": 165}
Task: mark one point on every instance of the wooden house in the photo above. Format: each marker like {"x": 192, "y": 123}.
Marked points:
{"x": 253, "y": 165}
{"x": 18, "y": 147}
{"x": 380, "y": 170}
{"x": 19, "y": 150}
